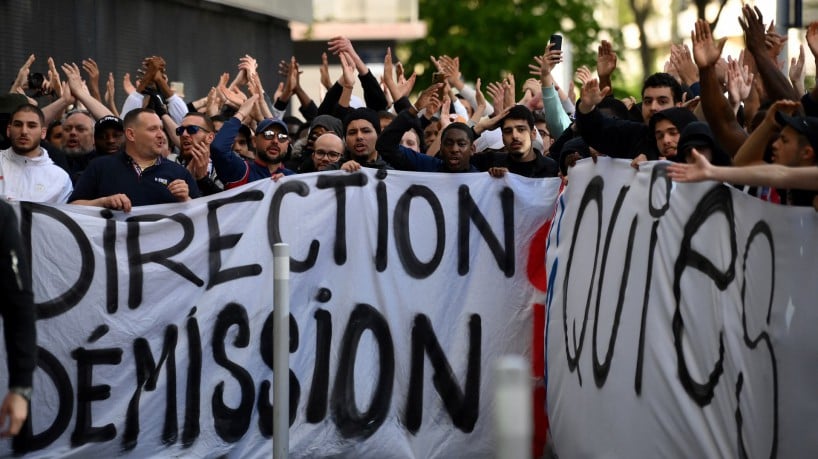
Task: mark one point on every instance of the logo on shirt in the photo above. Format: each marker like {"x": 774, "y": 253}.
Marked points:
{"x": 161, "y": 180}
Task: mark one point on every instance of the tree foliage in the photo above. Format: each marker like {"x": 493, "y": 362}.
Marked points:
{"x": 495, "y": 37}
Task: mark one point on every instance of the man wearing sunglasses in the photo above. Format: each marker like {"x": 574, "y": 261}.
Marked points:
{"x": 195, "y": 134}
{"x": 272, "y": 142}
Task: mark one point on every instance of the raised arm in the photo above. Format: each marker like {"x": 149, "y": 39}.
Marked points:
{"x": 773, "y": 175}
{"x": 605, "y": 64}
{"x": 556, "y": 119}
{"x": 717, "y": 111}
{"x": 752, "y": 151}
{"x": 775, "y": 83}
{"x": 72, "y": 75}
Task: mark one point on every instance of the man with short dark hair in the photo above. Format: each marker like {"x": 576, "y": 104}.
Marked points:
{"x": 456, "y": 147}
{"x": 27, "y": 173}
{"x": 520, "y": 157}
{"x": 623, "y": 138}
{"x": 137, "y": 175}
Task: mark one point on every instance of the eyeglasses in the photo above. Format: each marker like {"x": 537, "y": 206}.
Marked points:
{"x": 270, "y": 135}
{"x": 332, "y": 155}
{"x": 191, "y": 130}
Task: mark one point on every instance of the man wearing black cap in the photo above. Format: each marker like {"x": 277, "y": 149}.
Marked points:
{"x": 795, "y": 144}
{"x": 272, "y": 142}
{"x": 109, "y": 135}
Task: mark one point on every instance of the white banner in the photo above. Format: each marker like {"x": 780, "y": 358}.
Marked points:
{"x": 155, "y": 327}
{"x": 681, "y": 320}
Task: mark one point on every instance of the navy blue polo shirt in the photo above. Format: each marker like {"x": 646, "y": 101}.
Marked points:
{"x": 113, "y": 174}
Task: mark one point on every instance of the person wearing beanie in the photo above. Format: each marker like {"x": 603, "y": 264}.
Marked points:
{"x": 361, "y": 129}
{"x": 699, "y": 136}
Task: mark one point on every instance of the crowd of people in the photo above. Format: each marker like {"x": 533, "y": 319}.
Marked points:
{"x": 742, "y": 121}
{"x": 67, "y": 143}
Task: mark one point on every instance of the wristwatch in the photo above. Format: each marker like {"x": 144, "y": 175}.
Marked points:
{"x": 24, "y": 392}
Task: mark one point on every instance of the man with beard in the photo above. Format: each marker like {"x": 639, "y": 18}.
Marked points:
{"x": 138, "y": 175}
{"x": 328, "y": 149}
{"x": 456, "y": 147}
{"x": 272, "y": 142}
{"x": 320, "y": 125}
{"x": 196, "y": 133}
{"x": 361, "y": 128}
{"x": 27, "y": 173}
{"x": 520, "y": 157}
{"x": 78, "y": 141}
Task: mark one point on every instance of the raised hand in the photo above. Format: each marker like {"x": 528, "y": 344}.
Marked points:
{"x": 583, "y": 75}
{"x": 338, "y": 45}
{"x": 480, "y": 109}
{"x": 591, "y": 95}
{"x": 812, "y": 38}
{"x": 683, "y": 62}
{"x": 705, "y": 51}
{"x": 451, "y": 67}
{"x": 127, "y": 85}
{"x": 605, "y": 59}
{"x": 739, "y": 81}
{"x": 21, "y": 82}
{"x": 53, "y": 84}
{"x": 545, "y": 64}
{"x": 399, "y": 88}
{"x": 74, "y": 79}
{"x": 91, "y": 68}
{"x": 347, "y": 79}
{"x": 497, "y": 94}
{"x": 291, "y": 81}
{"x": 324, "y": 71}
{"x": 232, "y": 97}
{"x": 755, "y": 37}
{"x": 774, "y": 41}
{"x": 110, "y": 92}
{"x": 426, "y": 96}
{"x": 798, "y": 71}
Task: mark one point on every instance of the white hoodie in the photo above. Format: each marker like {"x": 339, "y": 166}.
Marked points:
{"x": 33, "y": 179}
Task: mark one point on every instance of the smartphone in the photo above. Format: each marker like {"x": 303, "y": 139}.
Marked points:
{"x": 439, "y": 77}
{"x": 556, "y": 40}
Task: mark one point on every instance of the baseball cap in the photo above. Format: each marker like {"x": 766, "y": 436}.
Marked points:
{"x": 804, "y": 125}
{"x": 106, "y": 122}
{"x": 266, "y": 123}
